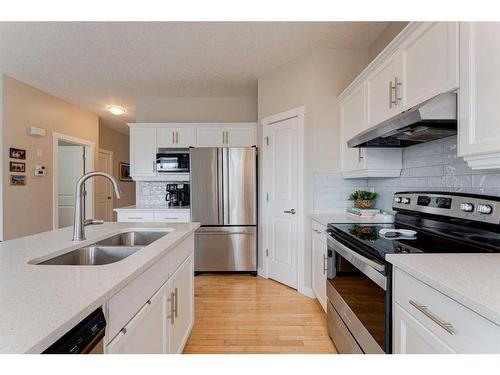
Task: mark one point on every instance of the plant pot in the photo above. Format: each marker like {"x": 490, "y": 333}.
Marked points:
{"x": 364, "y": 204}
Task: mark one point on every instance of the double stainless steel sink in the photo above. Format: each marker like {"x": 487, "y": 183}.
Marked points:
{"x": 108, "y": 250}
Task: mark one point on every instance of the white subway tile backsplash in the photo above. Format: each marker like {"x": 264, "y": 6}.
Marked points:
{"x": 429, "y": 166}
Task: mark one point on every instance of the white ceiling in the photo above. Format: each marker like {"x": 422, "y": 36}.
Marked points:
{"x": 94, "y": 64}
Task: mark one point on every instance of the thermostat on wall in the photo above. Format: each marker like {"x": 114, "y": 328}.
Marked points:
{"x": 39, "y": 170}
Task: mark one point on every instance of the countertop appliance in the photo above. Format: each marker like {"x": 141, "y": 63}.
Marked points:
{"x": 177, "y": 194}
{"x": 359, "y": 280}
{"x": 85, "y": 338}
{"x": 224, "y": 200}
{"x": 173, "y": 160}
{"x": 433, "y": 119}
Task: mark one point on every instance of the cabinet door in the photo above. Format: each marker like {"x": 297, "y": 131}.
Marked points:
{"x": 411, "y": 337}
{"x": 181, "y": 305}
{"x": 429, "y": 62}
{"x": 185, "y": 137}
{"x": 147, "y": 332}
{"x": 319, "y": 252}
{"x": 381, "y": 96}
{"x": 352, "y": 122}
{"x": 240, "y": 137}
{"x": 479, "y": 112}
{"x": 143, "y": 152}
{"x": 210, "y": 137}
{"x": 166, "y": 137}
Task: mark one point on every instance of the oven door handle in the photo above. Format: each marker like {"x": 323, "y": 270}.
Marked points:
{"x": 345, "y": 251}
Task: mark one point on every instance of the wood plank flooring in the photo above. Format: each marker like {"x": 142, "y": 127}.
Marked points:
{"x": 247, "y": 314}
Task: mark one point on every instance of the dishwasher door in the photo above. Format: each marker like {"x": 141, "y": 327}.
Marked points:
{"x": 225, "y": 249}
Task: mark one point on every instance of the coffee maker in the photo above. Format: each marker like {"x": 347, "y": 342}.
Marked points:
{"x": 177, "y": 194}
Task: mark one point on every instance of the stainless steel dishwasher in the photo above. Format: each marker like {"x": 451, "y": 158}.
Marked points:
{"x": 87, "y": 337}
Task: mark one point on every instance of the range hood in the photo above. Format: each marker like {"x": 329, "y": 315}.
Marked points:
{"x": 433, "y": 119}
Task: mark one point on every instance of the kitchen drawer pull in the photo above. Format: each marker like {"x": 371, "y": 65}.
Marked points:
{"x": 170, "y": 218}
{"x": 176, "y": 300}
{"x": 325, "y": 265}
{"x": 136, "y": 218}
{"x": 448, "y": 327}
{"x": 172, "y": 308}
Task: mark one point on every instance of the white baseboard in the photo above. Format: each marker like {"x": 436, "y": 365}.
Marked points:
{"x": 307, "y": 292}
{"x": 261, "y": 272}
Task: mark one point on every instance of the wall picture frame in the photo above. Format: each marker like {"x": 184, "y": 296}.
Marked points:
{"x": 125, "y": 172}
{"x": 17, "y": 166}
{"x": 17, "y": 180}
{"x": 17, "y": 153}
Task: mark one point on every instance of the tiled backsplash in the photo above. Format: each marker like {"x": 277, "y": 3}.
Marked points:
{"x": 429, "y": 166}
{"x": 150, "y": 194}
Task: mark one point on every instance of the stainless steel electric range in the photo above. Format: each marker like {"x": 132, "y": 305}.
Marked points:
{"x": 359, "y": 281}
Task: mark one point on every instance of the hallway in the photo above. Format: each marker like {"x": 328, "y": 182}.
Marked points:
{"x": 246, "y": 314}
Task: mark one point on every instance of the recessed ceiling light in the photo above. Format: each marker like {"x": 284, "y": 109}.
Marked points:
{"x": 116, "y": 109}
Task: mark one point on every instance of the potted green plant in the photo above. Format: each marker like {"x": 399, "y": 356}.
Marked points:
{"x": 363, "y": 199}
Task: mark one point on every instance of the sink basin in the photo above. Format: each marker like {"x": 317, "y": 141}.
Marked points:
{"x": 137, "y": 238}
{"x": 93, "y": 255}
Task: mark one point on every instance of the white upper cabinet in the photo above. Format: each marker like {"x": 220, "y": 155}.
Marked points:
{"x": 382, "y": 88}
{"x": 479, "y": 109}
{"x": 211, "y": 137}
{"x": 172, "y": 137}
{"x": 226, "y": 136}
{"x": 363, "y": 162}
{"x": 428, "y": 62}
{"x": 143, "y": 152}
{"x": 242, "y": 136}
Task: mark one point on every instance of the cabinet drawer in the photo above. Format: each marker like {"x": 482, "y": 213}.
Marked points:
{"x": 180, "y": 254}
{"x": 319, "y": 229}
{"x": 470, "y": 332}
{"x": 136, "y": 216}
{"x": 172, "y": 216}
{"x": 125, "y": 304}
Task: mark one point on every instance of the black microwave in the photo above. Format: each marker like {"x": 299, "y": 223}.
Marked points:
{"x": 172, "y": 161}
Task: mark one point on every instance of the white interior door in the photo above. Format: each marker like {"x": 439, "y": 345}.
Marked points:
{"x": 70, "y": 169}
{"x": 281, "y": 195}
{"x": 103, "y": 188}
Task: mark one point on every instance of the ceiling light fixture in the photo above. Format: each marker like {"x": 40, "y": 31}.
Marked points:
{"x": 116, "y": 109}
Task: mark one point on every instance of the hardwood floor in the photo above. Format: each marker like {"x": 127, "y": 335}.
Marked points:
{"x": 246, "y": 314}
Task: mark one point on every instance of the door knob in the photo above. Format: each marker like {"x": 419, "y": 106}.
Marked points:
{"x": 292, "y": 211}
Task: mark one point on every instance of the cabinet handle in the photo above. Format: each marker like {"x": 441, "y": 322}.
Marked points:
{"x": 360, "y": 155}
{"x": 173, "y": 137}
{"x": 397, "y": 90}
{"x": 448, "y": 327}
{"x": 136, "y": 218}
{"x": 325, "y": 265}
{"x": 227, "y": 137}
{"x": 176, "y": 138}
{"x": 172, "y": 302}
{"x": 391, "y": 88}
{"x": 170, "y": 218}
{"x": 176, "y": 302}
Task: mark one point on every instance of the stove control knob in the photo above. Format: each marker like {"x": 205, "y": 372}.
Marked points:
{"x": 406, "y": 200}
{"x": 484, "y": 209}
{"x": 397, "y": 199}
{"x": 467, "y": 207}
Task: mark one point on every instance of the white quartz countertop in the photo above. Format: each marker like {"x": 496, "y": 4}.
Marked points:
{"x": 151, "y": 208}
{"x": 470, "y": 279}
{"x": 342, "y": 218}
{"x": 40, "y": 303}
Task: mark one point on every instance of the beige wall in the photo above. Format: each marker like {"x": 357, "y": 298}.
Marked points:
{"x": 389, "y": 33}
{"x": 28, "y": 209}
{"x": 314, "y": 81}
{"x": 197, "y": 109}
{"x": 118, "y": 143}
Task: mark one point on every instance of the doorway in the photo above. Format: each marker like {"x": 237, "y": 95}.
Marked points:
{"x": 283, "y": 213}
{"x": 72, "y": 158}
{"x": 103, "y": 188}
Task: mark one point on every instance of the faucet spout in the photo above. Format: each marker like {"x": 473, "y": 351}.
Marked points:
{"x": 79, "y": 218}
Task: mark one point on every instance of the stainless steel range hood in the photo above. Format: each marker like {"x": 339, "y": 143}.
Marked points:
{"x": 433, "y": 119}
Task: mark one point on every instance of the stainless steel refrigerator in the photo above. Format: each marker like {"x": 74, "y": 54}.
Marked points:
{"x": 224, "y": 200}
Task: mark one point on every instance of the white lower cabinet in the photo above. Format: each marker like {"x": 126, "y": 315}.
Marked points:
{"x": 164, "y": 321}
{"x": 319, "y": 262}
{"x": 181, "y": 303}
{"x": 147, "y": 332}
{"x": 154, "y": 216}
{"x": 428, "y": 321}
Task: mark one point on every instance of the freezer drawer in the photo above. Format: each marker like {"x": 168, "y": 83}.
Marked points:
{"x": 225, "y": 249}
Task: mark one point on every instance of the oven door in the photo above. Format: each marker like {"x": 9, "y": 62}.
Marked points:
{"x": 172, "y": 162}
{"x": 358, "y": 308}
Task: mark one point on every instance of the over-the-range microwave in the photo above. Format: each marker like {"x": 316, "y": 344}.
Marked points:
{"x": 172, "y": 160}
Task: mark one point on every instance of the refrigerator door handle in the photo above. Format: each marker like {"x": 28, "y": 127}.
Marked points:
{"x": 220, "y": 185}
{"x": 225, "y": 186}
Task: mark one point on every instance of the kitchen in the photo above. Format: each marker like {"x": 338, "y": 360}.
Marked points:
{"x": 361, "y": 182}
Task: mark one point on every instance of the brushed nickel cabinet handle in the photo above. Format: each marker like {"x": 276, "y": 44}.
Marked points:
{"x": 397, "y": 90}
{"x": 360, "y": 155}
{"x": 173, "y": 137}
{"x": 176, "y": 138}
{"x": 448, "y": 327}
{"x": 325, "y": 266}
{"x": 172, "y": 302}
{"x": 176, "y": 300}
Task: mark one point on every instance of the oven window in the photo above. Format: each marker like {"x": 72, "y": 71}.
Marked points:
{"x": 363, "y": 296}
